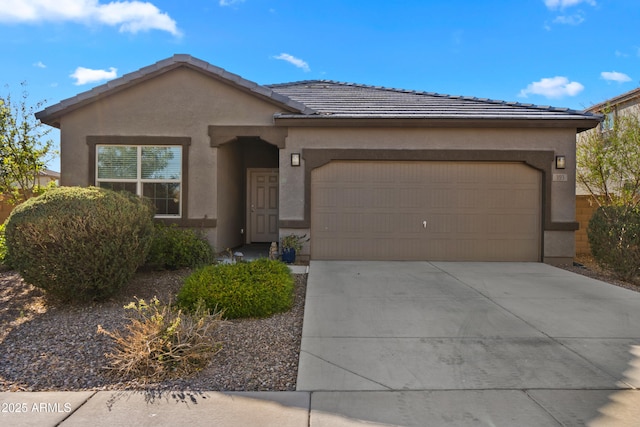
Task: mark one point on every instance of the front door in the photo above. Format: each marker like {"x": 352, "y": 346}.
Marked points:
{"x": 263, "y": 205}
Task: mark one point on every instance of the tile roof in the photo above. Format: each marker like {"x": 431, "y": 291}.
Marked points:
{"x": 349, "y": 100}
{"x": 322, "y": 99}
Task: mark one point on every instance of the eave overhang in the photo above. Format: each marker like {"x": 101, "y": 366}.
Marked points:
{"x": 579, "y": 123}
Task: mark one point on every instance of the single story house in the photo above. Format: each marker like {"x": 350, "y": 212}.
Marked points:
{"x": 626, "y": 103}
{"x": 368, "y": 173}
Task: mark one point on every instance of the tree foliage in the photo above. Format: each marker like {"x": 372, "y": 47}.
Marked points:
{"x": 23, "y": 150}
{"x": 609, "y": 168}
{"x": 614, "y": 236}
{"x": 609, "y": 162}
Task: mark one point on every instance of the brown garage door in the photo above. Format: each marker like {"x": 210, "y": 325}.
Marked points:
{"x": 446, "y": 211}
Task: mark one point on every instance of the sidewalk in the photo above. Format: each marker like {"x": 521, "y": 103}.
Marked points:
{"x": 520, "y": 408}
{"x": 42, "y": 409}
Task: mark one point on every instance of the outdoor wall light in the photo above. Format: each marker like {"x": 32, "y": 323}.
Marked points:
{"x": 295, "y": 159}
{"x": 561, "y": 162}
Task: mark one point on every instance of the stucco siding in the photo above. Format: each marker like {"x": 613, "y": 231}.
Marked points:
{"x": 560, "y": 141}
{"x": 230, "y": 193}
{"x": 180, "y": 103}
{"x": 559, "y": 246}
{"x": 227, "y": 126}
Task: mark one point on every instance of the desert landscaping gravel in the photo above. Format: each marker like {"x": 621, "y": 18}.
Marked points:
{"x": 47, "y": 346}
{"x": 587, "y": 266}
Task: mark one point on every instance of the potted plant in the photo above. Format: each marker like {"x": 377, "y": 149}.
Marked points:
{"x": 290, "y": 245}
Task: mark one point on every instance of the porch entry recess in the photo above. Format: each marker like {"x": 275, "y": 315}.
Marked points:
{"x": 426, "y": 210}
{"x": 262, "y": 205}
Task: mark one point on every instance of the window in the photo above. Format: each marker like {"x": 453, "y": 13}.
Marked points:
{"x": 154, "y": 172}
{"x": 608, "y": 121}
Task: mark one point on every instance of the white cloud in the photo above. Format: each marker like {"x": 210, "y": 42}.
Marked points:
{"x": 137, "y": 16}
{"x": 129, "y": 16}
{"x": 552, "y": 87}
{"x": 573, "y": 19}
{"x": 230, "y": 2}
{"x": 293, "y": 60}
{"x": 576, "y": 19}
{"x": 39, "y": 64}
{"x": 561, "y": 4}
{"x": 614, "y": 76}
{"x": 87, "y": 75}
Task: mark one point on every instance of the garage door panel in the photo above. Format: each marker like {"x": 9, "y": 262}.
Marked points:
{"x": 473, "y": 211}
{"x": 407, "y": 198}
{"x": 471, "y": 199}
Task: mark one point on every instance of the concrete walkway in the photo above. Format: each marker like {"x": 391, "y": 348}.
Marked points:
{"x": 415, "y": 344}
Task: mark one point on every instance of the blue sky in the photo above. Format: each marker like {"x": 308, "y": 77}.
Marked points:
{"x": 565, "y": 53}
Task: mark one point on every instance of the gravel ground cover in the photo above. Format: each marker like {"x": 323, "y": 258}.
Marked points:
{"x": 587, "y": 266}
{"x": 47, "y": 346}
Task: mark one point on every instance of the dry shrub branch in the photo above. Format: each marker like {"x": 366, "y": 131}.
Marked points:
{"x": 162, "y": 342}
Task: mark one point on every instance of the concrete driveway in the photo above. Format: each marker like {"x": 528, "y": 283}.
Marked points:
{"x": 435, "y": 343}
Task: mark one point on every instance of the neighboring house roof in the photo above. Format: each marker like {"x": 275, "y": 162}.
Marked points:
{"x": 620, "y": 99}
{"x": 50, "y": 174}
{"x": 325, "y": 99}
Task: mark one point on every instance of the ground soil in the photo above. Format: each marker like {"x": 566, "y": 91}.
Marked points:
{"x": 46, "y": 345}
{"x": 586, "y": 265}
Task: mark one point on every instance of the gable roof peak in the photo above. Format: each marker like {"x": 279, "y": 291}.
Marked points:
{"x": 51, "y": 115}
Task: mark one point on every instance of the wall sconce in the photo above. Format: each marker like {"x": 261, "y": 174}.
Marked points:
{"x": 295, "y": 159}
{"x": 561, "y": 162}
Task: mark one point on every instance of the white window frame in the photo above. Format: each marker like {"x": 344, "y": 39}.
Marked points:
{"x": 139, "y": 181}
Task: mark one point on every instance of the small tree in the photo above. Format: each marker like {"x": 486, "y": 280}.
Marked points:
{"x": 609, "y": 162}
{"x": 23, "y": 151}
{"x": 609, "y": 168}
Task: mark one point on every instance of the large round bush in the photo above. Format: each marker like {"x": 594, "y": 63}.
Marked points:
{"x": 614, "y": 237}
{"x": 248, "y": 289}
{"x": 79, "y": 243}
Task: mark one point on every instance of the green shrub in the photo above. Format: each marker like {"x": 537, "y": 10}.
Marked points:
{"x": 79, "y": 243}
{"x": 248, "y": 289}
{"x": 3, "y": 246}
{"x": 614, "y": 237}
{"x": 174, "y": 248}
{"x": 161, "y": 342}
